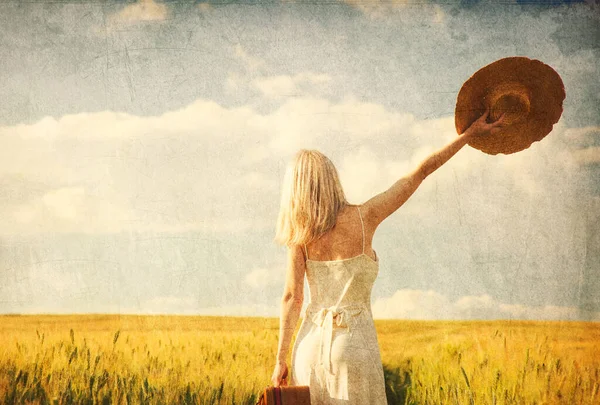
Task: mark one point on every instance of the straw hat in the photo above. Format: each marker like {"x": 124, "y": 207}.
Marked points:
{"x": 528, "y": 92}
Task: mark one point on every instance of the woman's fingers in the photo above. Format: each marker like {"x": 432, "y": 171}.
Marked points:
{"x": 283, "y": 380}
{"x": 499, "y": 122}
{"x": 279, "y": 375}
{"x": 497, "y": 125}
{"x": 484, "y": 115}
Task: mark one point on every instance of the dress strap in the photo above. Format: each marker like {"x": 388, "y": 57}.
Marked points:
{"x": 306, "y": 251}
{"x": 362, "y": 225}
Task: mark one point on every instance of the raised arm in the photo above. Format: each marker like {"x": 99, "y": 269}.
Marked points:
{"x": 384, "y": 204}
{"x": 291, "y": 305}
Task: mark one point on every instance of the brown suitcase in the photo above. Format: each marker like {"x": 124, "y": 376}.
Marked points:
{"x": 285, "y": 395}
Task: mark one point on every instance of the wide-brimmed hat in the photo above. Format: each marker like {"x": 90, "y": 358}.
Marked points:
{"x": 528, "y": 92}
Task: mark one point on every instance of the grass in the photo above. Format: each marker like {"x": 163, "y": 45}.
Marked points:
{"x": 88, "y": 359}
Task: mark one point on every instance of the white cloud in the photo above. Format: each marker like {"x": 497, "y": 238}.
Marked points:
{"x": 413, "y": 304}
{"x": 66, "y": 209}
{"x": 202, "y": 117}
{"x": 107, "y": 171}
{"x": 65, "y": 202}
{"x": 431, "y": 305}
{"x": 363, "y": 174}
{"x": 141, "y": 11}
{"x": 261, "y": 277}
{"x": 546, "y": 312}
{"x": 308, "y": 122}
{"x": 258, "y": 277}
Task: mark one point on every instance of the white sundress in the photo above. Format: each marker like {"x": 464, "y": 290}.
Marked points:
{"x": 336, "y": 351}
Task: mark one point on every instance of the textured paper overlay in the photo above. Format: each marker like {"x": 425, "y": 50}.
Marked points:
{"x": 142, "y": 145}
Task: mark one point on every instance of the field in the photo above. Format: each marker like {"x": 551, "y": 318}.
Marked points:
{"x": 221, "y": 360}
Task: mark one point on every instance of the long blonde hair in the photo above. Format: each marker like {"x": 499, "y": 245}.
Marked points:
{"x": 311, "y": 198}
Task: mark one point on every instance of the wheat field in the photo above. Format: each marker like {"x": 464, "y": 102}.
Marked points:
{"x": 112, "y": 359}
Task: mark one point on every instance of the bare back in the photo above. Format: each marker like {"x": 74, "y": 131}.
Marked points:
{"x": 345, "y": 239}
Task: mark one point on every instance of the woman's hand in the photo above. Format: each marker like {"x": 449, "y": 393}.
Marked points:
{"x": 280, "y": 374}
{"x": 482, "y": 128}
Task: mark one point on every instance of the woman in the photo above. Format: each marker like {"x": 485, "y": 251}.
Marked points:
{"x": 336, "y": 351}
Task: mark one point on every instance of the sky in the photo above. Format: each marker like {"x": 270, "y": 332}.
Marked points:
{"x": 143, "y": 145}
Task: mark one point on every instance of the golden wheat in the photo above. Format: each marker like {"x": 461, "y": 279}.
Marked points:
{"x": 225, "y": 360}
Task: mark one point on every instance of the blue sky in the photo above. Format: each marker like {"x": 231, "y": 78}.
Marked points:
{"x": 142, "y": 146}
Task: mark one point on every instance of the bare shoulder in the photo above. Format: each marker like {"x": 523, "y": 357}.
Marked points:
{"x": 369, "y": 217}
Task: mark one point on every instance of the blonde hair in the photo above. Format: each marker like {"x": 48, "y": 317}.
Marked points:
{"x": 311, "y": 198}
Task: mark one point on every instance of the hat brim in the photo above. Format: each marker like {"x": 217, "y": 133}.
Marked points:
{"x": 546, "y": 95}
